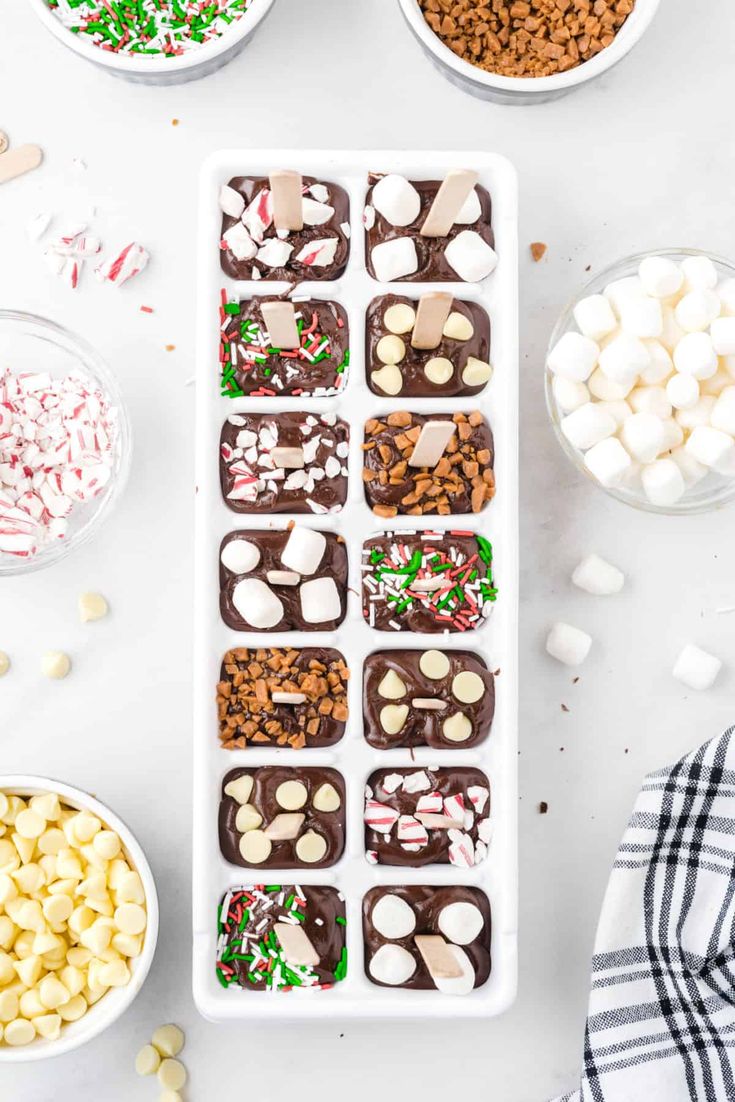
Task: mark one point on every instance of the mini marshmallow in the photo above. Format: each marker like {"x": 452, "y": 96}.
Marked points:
{"x": 396, "y": 199}
{"x": 692, "y": 470}
{"x": 605, "y": 390}
{"x": 619, "y": 411}
{"x": 573, "y": 357}
{"x": 696, "y": 668}
{"x": 608, "y": 462}
{"x": 598, "y": 577}
{"x": 470, "y": 256}
{"x": 392, "y": 965}
{"x": 672, "y": 331}
{"x": 673, "y": 435}
{"x": 569, "y": 395}
{"x": 695, "y": 355}
{"x": 697, "y": 310}
{"x": 460, "y": 922}
{"x": 621, "y": 290}
{"x": 320, "y": 601}
{"x": 470, "y": 210}
{"x": 568, "y": 644}
{"x": 699, "y": 273}
{"x": 650, "y": 399}
{"x": 726, "y": 294}
{"x": 717, "y": 382}
{"x": 713, "y": 448}
{"x": 682, "y": 391}
{"x": 642, "y": 317}
{"x": 394, "y": 259}
{"x": 624, "y": 358}
{"x": 660, "y": 277}
{"x": 723, "y": 412}
{"x": 304, "y": 550}
{"x": 660, "y": 366}
{"x": 240, "y": 556}
{"x": 393, "y": 917}
{"x": 642, "y": 436}
{"x": 698, "y": 415}
{"x": 595, "y": 317}
{"x": 257, "y": 603}
{"x": 663, "y": 482}
{"x": 723, "y": 336}
{"x": 587, "y": 426}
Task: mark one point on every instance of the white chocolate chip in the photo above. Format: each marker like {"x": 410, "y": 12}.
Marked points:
{"x": 92, "y": 606}
{"x": 148, "y": 1061}
{"x": 434, "y": 664}
{"x": 390, "y": 349}
{"x": 291, "y": 795}
{"x": 457, "y": 728}
{"x": 55, "y": 664}
{"x": 476, "y": 372}
{"x": 240, "y": 788}
{"x": 391, "y": 687}
{"x": 438, "y": 370}
{"x": 393, "y": 718}
{"x": 170, "y": 1096}
{"x": 468, "y": 687}
{"x": 168, "y": 1040}
{"x": 4, "y": 663}
{"x": 388, "y": 379}
{"x": 19, "y": 1032}
{"x": 311, "y": 847}
{"x": 130, "y": 918}
{"x": 247, "y": 818}
{"x": 458, "y": 327}
{"x": 172, "y": 1075}
{"x": 255, "y": 847}
{"x": 399, "y": 318}
{"x": 326, "y": 798}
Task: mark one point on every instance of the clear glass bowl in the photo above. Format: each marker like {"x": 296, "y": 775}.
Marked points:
{"x": 30, "y": 343}
{"x": 714, "y": 490}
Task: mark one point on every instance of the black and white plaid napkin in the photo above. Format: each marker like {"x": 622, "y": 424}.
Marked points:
{"x": 661, "y": 1022}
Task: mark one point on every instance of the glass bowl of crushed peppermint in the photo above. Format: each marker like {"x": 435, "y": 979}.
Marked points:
{"x": 526, "y": 51}
{"x": 154, "y": 41}
{"x": 65, "y": 442}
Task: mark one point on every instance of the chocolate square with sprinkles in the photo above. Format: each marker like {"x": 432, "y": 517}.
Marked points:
{"x": 277, "y": 937}
{"x": 251, "y": 365}
{"x": 427, "y": 581}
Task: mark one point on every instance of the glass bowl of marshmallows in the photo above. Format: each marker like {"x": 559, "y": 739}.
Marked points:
{"x": 640, "y": 381}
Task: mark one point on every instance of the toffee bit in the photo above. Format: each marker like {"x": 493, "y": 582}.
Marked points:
{"x": 538, "y": 250}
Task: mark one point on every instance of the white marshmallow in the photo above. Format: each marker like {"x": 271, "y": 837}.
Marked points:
{"x": 650, "y": 399}
{"x": 608, "y": 462}
{"x": 320, "y": 601}
{"x": 631, "y": 479}
{"x": 726, "y": 293}
{"x": 660, "y": 366}
{"x": 728, "y": 364}
{"x": 393, "y": 917}
{"x": 697, "y": 310}
{"x": 605, "y": 389}
{"x": 470, "y": 210}
{"x": 672, "y": 332}
{"x": 663, "y": 483}
{"x": 240, "y": 556}
{"x": 470, "y": 256}
{"x": 396, "y": 199}
{"x": 696, "y": 668}
{"x": 699, "y": 273}
{"x": 624, "y": 358}
{"x": 573, "y": 357}
{"x": 460, "y": 922}
{"x": 568, "y": 394}
{"x": 598, "y": 577}
{"x": 457, "y": 985}
{"x": 673, "y": 435}
{"x": 595, "y": 317}
{"x": 568, "y": 644}
{"x": 682, "y": 391}
{"x": 714, "y": 448}
{"x": 394, "y": 259}
{"x": 723, "y": 336}
{"x": 392, "y": 964}
{"x": 642, "y": 436}
{"x": 692, "y": 470}
{"x": 717, "y": 382}
{"x": 697, "y": 415}
{"x": 257, "y": 603}
{"x": 587, "y": 426}
{"x": 642, "y": 317}
{"x": 660, "y": 276}
{"x": 620, "y": 290}
{"x": 723, "y": 412}
{"x": 304, "y": 550}
{"x": 695, "y": 355}
{"x": 620, "y": 411}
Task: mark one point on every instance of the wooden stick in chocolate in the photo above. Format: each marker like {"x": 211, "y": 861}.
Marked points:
{"x": 287, "y": 199}
{"x": 431, "y": 316}
{"x": 17, "y": 161}
{"x": 448, "y": 202}
{"x": 297, "y": 949}
{"x": 280, "y": 321}
{"x": 433, "y": 439}
{"x": 439, "y": 961}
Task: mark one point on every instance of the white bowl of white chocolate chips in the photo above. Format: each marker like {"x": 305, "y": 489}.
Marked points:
{"x": 78, "y": 918}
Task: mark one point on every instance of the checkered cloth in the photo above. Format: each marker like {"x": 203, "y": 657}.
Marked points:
{"x": 661, "y": 1023}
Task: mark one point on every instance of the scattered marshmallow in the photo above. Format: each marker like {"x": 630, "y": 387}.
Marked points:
{"x": 470, "y": 256}
{"x": 573, "y": 357}
{"x": 568, "y": 644}
{"x": 395, "y": 259}
{"x": 598, "y": 577}
{"x": 696, "y": 668}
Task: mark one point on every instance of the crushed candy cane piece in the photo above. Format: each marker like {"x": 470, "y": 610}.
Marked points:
{"x": 410, "y": 830}
{"x": 416, "y": 782}
{"x": 123, "y": 265}
{"x": 317, "y": 254}
{"x": 380, "y": 817}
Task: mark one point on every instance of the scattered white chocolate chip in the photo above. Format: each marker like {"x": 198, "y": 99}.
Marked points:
{"x": 311, "y": 847}
{"x": 55, "y": 664}
{"x": 4, "y": 663}
{"x": 393, "y": 917}
{"x": 286, "y": 827}
{"x": 568, "y": 644}
{"x": 476, "y": 372}
{"x": 399, "y": 318}
{"x": 291, "y": 795}
{"x": 240, "y": 556}
{"x": 460, "y": 922}
{"x": 468, "y": 687}
{"x": 598, "y": 577}
{"x": 172, "y": 1074}
{"x": 438, "y": 370}
{"x": 458, "y": 327}
{"x": 240, "y": 788}
{"x": 255, "y": 847}
{"x": 390, "y": 349}
{"x": 457, "y": 728}
{"x": 247, "y": 818}
{"x": 148, "y": 1061}
{"x": 388, "y": 379}
{"x": 168, "y": 1040}
{"x": 392, "y": 965}
{"x": 92, "y": 606}
{"x": 696, "y": 668}
{"x": 393, "y": 718}
{"x": 326, "y": 798}
{"x": 434, "y": 664}
{"x": 391, "y": 687}
{"x": 296, "y": 945}
{"x": 170, "y": 1096}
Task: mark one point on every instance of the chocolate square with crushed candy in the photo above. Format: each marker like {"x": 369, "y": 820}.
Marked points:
{"x": 460, "y": 478}
{"x": 282, "y": 696}
{"x": 284, "y": 462}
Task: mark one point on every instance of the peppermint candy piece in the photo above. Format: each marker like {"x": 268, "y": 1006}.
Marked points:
{"x": 317, "y": 254}
{"x": 411, "y": 831}
{"x": 123, "y": 265}
{"x": 380, "y": 817}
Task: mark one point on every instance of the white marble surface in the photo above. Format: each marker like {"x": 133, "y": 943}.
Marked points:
{"x": 639, "y": 160}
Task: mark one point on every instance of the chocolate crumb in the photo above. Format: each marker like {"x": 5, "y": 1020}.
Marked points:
{"x": 564, "y": 708}
{"x": 538, "y": 250}
{"x": 543, "y": 807}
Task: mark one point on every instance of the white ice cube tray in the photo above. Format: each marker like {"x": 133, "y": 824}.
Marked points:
{"x": 496, "y": 640}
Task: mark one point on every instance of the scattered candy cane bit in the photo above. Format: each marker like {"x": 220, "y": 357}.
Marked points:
{"x": 146, "y": 309}
{"x": 123, "y": 265}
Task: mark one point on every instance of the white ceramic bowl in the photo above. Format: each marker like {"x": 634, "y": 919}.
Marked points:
{"x": 526, "y": 90}
{"x": 156, "y": 70}
{"x": 118, "y": 999}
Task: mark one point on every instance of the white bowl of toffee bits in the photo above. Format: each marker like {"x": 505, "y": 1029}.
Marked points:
{"x": 526, "y": 51}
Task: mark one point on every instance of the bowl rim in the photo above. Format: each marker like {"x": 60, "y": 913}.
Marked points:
{"x": 157, "y": 66}
{"x": 92, "y": 362}
{"x": 107, "y": 1010}
{"x": 618, "y": 270}
{"x": 629, "y": 35}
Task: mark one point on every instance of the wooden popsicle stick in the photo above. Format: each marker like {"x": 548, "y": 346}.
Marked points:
{"x": 431, "y": 316}
{"x": 17, "y": 161}
{"x": 297, "y": 949}
{"x": 436, "y": 956}
{"x": 287, "y": 196}
{"x": 433, "y": 439}
{"x": 280, "y": 321}
{"x": 454, "y": 189}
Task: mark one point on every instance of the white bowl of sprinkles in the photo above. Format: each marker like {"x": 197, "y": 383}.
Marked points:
{"x": 176, "y": 41}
